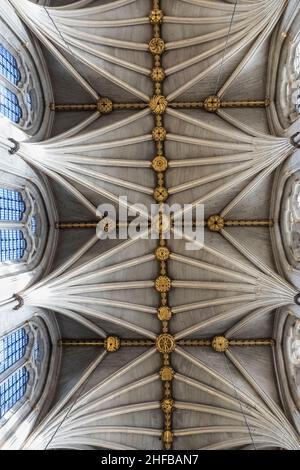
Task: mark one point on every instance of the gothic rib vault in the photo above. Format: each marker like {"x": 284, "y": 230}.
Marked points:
{"x": 182, "y": 342}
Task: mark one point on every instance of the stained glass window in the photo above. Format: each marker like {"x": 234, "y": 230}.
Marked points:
{"x": 33, "y": 225}
{"x": 12, "y": 206}
{"x": 12, "y": 348}
{"x": 12, "y": 245}
{"x": 8, "y": 66}
{"x": 9, "y": 105}
{"x": 13, "y": 389}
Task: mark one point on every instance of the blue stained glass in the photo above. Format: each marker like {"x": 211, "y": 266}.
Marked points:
{"x": 9, "y": 105}
{"x": 12, "y": 348}
{"x": 13, "y": 389}
{"x": 12, "y": 206}
{"x": 33, "y": 225}
{"x": 8, "y": 66}
{"x": 12, "y": 245}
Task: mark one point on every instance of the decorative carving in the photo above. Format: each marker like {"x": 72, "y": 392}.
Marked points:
{"x": 246, "y": 103}
{"x": 163, "y": 284}
{"x": 187, "y": 105}
{"x": 75, "y": 225}
{"x": 212, "y": 104}
{"x": 167, "y": 405}
{"x": 136, "y": 343}
{"x": 156, "y": 16}
{"x": 157, "y": 46}
{"x": 164, "y": 313}
{"x": 168, "y": 437}
{"x": 126, "y": 106}
{"x": 158, "y": 104}
{"x": 74, "y": 107}
{"x": 251, "y": 342}
{"x": 194, "y": 342}
{"x": 161, "y": 194}
{"x": 220, "y": 343}
{"x": 105, "y": 106}
{"x": 162, "y": 253}
{"x": 166, "y": 374}
{"x": 159, "y": 134}
{"x": 165, "y": 343}
{"x": 112, "y": 343}
{"x": 158, "y": 74}
{"x": 215, "y": 223}
{"x": 80, "y": 342}
{"x": 160, "y": 163}
{"x": 248, "y": 223}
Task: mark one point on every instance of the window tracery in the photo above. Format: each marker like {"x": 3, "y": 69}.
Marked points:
{"x": 19, "y": 85}
{"x": 12, "y": 348}
{"x": 23, "y": 353}
{"x": 18, "y": 225}
{"x": 291, "y": 220}
{"x": 9, "y": 105}
{"x": 13, "y": 389}
{"x": 290, "y": 84}
{"x": 8, "y": 66}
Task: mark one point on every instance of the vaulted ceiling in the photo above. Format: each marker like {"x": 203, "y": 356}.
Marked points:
{"x": 174, "y": 108}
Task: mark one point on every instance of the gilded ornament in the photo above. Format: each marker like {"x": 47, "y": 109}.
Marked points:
{"x": 160, "y": 194}
{"x": 112, "y": 343}
{"x": 75, "y": 225}
{"x": 105, "y": 106}
{"x": 162, "y": 253}
{"x": 166, "y": 374}
{"x": 167, "y": 405}
{"x": 220, "y": 343}
{"x": 212, "y": 104}
{"x": 167, "y": 438}
{"x": 215, "y": 223}
{"x": 160, "y": 163}
{"x": 157, "y": 74}
{"x": 164, "y": 313}
{"x": 163, "y": 284}
{"x": 158, "y": 104}
{"x": 156, "y": 16}
{"x": 159, "y": 134}
{"x": 106, "y": 225}
{"x": 156, "y": 46}
{"x": 165, "y": 343}
{"x": 267, "y": 102}
{"x": 249, "y": 223}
